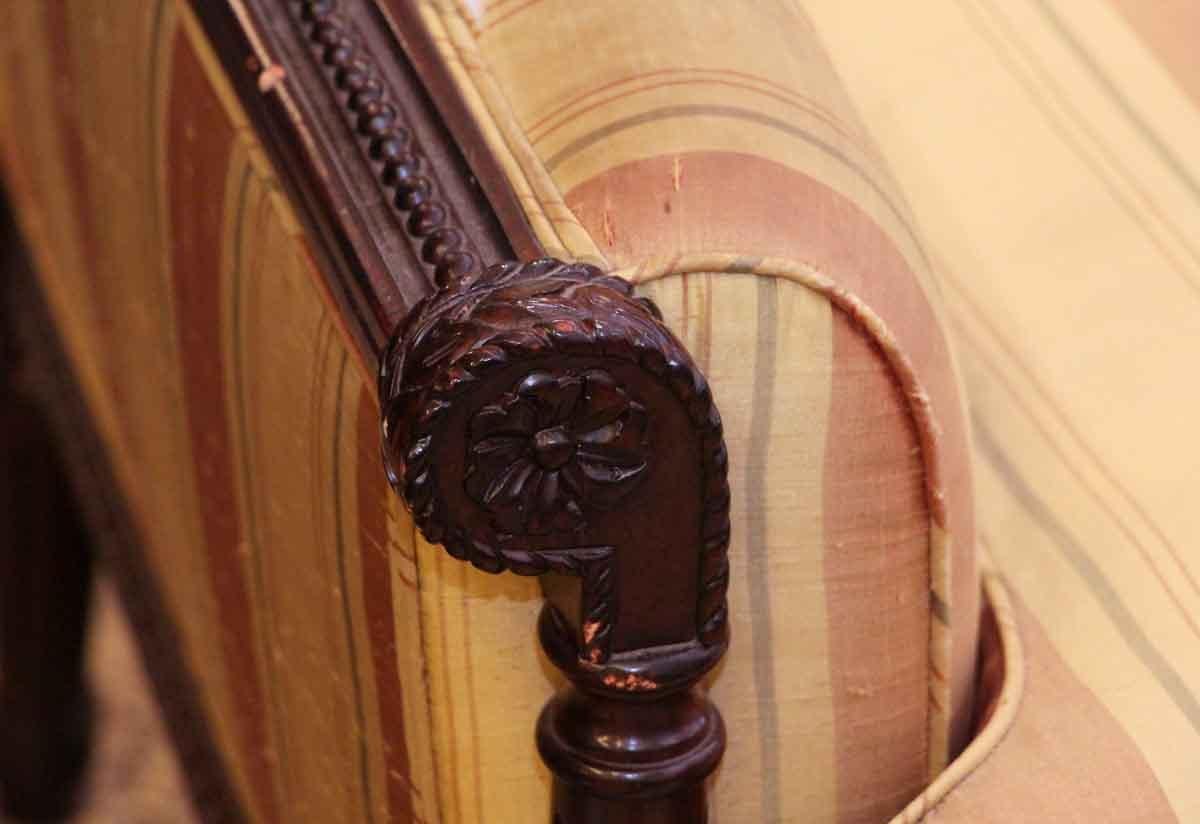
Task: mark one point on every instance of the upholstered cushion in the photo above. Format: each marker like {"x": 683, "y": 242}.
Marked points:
{"x": 710, "y": 155}
{"x": 348, "y": 665}
{"x": 1048, "y": 151}
{"x": 352, "y": 671}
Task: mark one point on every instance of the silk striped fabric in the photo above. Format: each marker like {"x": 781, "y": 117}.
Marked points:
{"x": 1025, "y": 196}
{"x": 709, "y": 154}
{"x": 1048, "y": 148}
{"x": 243, "y": 431}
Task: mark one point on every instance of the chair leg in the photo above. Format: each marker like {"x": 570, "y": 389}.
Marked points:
{"x": 45, "y": 579}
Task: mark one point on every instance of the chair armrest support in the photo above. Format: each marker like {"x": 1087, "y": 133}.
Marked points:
{"x": 541, "y": 419}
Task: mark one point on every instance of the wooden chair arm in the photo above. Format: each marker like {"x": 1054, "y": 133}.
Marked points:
{"x": 539, "y": 418}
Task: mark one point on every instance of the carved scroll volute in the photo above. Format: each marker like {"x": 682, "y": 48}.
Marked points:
{"x": 539, "y": 418}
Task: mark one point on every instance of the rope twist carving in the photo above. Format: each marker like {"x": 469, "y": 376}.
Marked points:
{"x": 485, "y": 324}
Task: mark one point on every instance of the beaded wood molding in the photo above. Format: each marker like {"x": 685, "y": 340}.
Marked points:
{"x": 397, "y": 160}
{"x": 538, "y": 418}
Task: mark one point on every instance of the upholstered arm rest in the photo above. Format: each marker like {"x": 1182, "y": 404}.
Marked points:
{"x": 711, "y": 159}
{"x": 542, "y": 242}
{"x": 540, "y": 419}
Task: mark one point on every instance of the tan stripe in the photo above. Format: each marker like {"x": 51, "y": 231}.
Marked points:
{"x": 449, "y": 662}
{"x": 493, "y": 21}
{"x": 1050, "y": 441}
{"x": 705, "y": 347}
{"x": 68, "y": 111}
{"x": 876, "y": 530}
{"x": 436, "y": 651}
{"x": 1148, "y": 134}
{"x": 1169, "y": 28}
{"x": 583, "y": 142}
{"x": 542, "y": 129}
{"x": 1157, "y": 663}
{"x": 329, "y": 483}
{"x": 1065, "y": 759}
{"x": 1106, "y": 164}
{"x": 775, "y": 433}
{"x": 468, "y": 676}
{"x": 791, "y": 506}
{"x": 377, "y": 603}
{"x": 196, "y": 260}
{"x": 813, "y": 106}
{"x": 488, "y": 619}
{"x": 772, "y": 209}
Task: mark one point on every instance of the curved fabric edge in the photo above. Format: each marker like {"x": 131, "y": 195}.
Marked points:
{"x": 920, "y": 407}
{"x": 560, "y": 232}
{"x": 1003, "y": 715}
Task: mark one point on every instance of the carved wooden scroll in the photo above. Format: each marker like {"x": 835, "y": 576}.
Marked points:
{"x": 541, "y": 419}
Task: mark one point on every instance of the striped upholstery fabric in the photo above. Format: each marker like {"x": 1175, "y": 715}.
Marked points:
{"x": 243, "y": 431}
{"x": 709, "y": 151}
{"x": 710, "y": 155}
{"x": 1049, "y": 150}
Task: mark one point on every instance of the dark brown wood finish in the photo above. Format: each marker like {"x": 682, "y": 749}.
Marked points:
{"x": 359, "y": 145}
{"x": 540, "y": 419}
{"x": 45, "y": 576}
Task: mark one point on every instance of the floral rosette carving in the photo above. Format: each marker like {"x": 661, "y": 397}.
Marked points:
{"x": 554, "y": 445}
{"x": 561, "y": 437}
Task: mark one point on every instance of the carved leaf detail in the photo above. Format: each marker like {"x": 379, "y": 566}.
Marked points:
{"x": 558, "y": 444}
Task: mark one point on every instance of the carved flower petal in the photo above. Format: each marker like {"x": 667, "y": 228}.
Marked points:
{"x": 601, "y": 484}
{"x": 604, "y": 434}
{"x": 476, "y": 482}
{"x": 603, "y": 402}
{"x": 498, "y": 451}
{"x": 592, "y": 415}
{"x": 506, "y": 488}
{"x": 633, "y": 431}
{"x": 608, "y": 464}
{"x": 556, "y": 397}
{"x": 628, "y": 434}
{"x": 533, "y": 383}
{"x": 547, "y": 512}
{"x": 487, "y": 476}
{"x": 549, "y": 495}
{"x": 515, "y": 418}
{"x": 572, "y": 509}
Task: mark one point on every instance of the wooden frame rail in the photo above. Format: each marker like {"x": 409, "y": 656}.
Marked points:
{"x": 538, "y": 417}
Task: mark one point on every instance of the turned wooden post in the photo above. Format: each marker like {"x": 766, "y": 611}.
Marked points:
{"x": 45, "y": 575}
{"x": 539, "y": 418}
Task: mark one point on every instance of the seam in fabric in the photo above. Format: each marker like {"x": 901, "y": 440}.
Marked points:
{"x": 1008, "y": 705}
{"x": 506, "y": 131}
{"x": 920, "y": 409}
